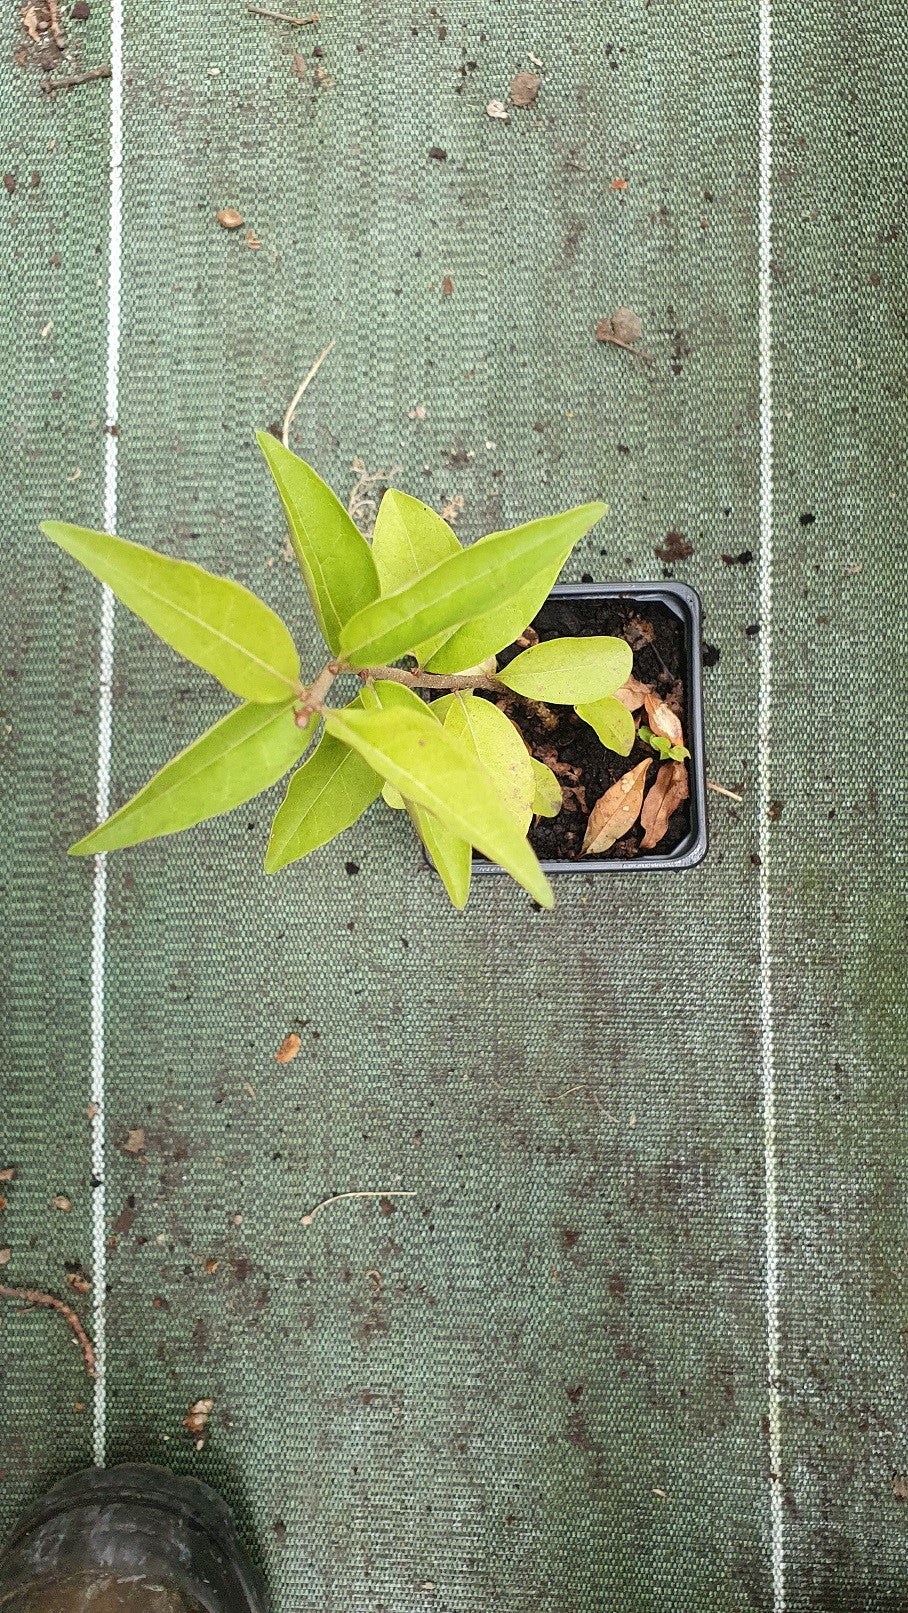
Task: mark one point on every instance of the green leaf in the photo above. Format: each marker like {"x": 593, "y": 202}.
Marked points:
{"x": 567, "y": 670}
{"x": 498, "y": 745}
{"x": 392, "y": 797}
{"x": 678, "y": 753}
{"x": 547, "y": 798}
{"x": 243, "y": 754}
{"x": 326, "y": 795}
{"x": 460, "y": 587}
{"x": 451, "y": 856}
{"x": 450, "y": 853}
{"x": 437, "y": 772}
{"x": 409, "y": 539}
{"x": 494, "y": 630}
{"x": 211, "y": 620}
{"x": 613, "y": 723}
{"x": 334, "y": 557}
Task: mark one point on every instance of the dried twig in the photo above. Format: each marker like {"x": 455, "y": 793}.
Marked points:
{"x": 77, "y": 78}
{"x": 381, "y": 1193}
{"x": 34, "y": 1296}
{"x": 291, "y": 407}
{"x": 719, "y": 789}
{"x": 280, "y": 16}
{"x": 362, "y": 506}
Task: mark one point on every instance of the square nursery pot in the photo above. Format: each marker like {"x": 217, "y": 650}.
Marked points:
{"x": 671, "y": 611}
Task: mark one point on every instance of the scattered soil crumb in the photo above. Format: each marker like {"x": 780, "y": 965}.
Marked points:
{"x": 135, "y": 1141}
{"x": 497, "y": 109}
{"x": 524, "y": 89}
{"x": 452, "y": 509}
{"x": 5, "y": 1256}
{"x": 8, "y": 1174}
{"x": 61, "y": 1203}
{"x": 288, "y": 1049}
{"x": 674, "y": 547}
{"x": 447, "y": 286}
{"x": 438, "y": 154}
{"x": 230, "y": 219}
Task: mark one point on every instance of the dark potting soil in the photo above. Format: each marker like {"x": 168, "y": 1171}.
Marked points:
{"x": 569, "y": 746}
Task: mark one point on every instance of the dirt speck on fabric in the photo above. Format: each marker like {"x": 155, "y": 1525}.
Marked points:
{"x": 674, "y": 547}
{"x": 288, "y": 1049}
{"x": 230, "y": 219}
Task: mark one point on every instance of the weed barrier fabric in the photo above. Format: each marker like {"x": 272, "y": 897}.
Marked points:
{"x": 542, "y": 1380}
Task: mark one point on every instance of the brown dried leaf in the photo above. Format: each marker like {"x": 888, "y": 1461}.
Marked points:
{"x": 616, "y": 811}
{"x": 196, "y": 1419}
{"x": 135, "y": 1141}
{"x": 288, "y": 1049}
{"x": 633, "y": 693}
{"x": 665, "y": 797}
{"x": 662, "y": 720}
{"x": 623, "y": 327}
{"x": 524, "y": 89}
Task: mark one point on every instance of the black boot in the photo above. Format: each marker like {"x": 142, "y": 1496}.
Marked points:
{"x": 131, "y": 1539}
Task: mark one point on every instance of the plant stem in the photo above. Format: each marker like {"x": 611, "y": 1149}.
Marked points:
{"x": 313, "y": 698}
{"x": 434, "y": 680}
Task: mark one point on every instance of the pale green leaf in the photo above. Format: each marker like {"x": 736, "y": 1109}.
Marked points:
{"x": 495, "y": 629}
{"x": 612, "y": 721}
{"x": 498, "y": 745}
{"x": 547, "y": 797}
{"x": 326, "y": 795}
{"x": 451, "y": 855}
{"x": 460, "y": 587}
{"x": 567, "y": 670}
{"x": 437, "y": 772}
{"x": 243, "y": 754}
{"x": 334, "y": 557}
{"x": 409, "y": 539}
{"x": 210, "y": 620}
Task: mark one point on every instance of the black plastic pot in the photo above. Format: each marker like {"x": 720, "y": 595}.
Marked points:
{"x": 684, "y": 603}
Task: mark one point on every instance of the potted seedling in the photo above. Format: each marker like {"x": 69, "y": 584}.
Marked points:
{"x": 507, "y": 716}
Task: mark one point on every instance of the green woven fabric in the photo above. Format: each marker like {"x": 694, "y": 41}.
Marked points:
{"x": 541, "y": 1382}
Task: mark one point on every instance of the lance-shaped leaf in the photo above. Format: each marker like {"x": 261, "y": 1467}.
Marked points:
{"x": 451, "y": 856}
{"x": 243, "y": 754}
{"x": 460, "y": 587}
{"x": 669, "y": 790}
{"x": 500, "y": 749}
{"x": 566, "y": 671}
{"x": 410, "y": 539}
{"x": 495, "y": 629}
{"x": 334, "y": 557}
{"x": 547, "y": 797}
{"x": 211, "y": 620}
{"x": 616, "y": 811}
{"x": 613, "y": 722}
{"x": 326, "y": 795}
{"x": 436, "y": 771}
